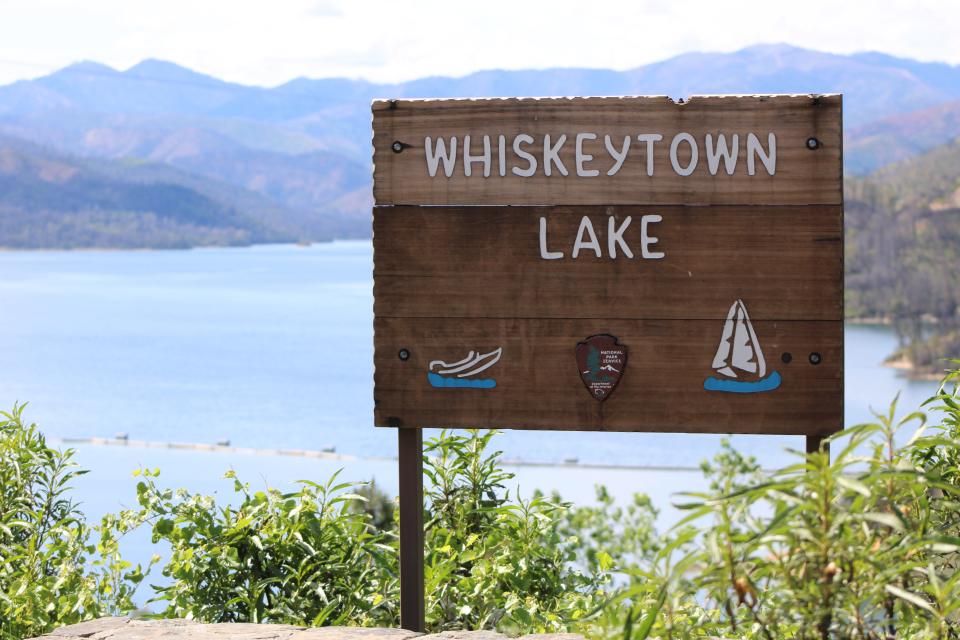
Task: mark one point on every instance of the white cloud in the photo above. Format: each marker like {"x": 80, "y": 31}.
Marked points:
{"x": 389, "y": 40}
{"x": 325, "y": 9}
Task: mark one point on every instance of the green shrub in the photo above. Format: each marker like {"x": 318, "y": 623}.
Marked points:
{"x": 50, "y": 572}
{"x": 862, "y": 544}
{"x": 308, "y": 557}
{"x": 325, "y": 554}
{"x": 865, "y": 544}
{"x": 493, "y": 562}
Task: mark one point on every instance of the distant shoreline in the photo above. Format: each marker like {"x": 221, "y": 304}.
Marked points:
{"x": 301, "y": 245}
{"x": 870, "y": 320}
{"x": 330, "y": 454}
{"x": 910, "y": 370}
{"x": 895, "y": 361}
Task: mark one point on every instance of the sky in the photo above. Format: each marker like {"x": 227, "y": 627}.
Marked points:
{"x": 270, "y": 42}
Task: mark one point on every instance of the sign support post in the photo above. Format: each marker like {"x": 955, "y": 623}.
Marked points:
{"x": 410, "y": 448}
{"x": 813, "y": 444}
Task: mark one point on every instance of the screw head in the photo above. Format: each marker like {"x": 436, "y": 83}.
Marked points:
{"x": 815, "y": 358}
{"x": 397, "y": 146}
{"x": 813, "y": 144}
{"x": 786, "y": 357}
{"x": 404, "y": 354}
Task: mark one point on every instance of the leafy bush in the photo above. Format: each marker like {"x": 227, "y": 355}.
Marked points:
{"x": 50, "y": 572}
{"x": 861, "y": 544}
{"x": 308, "y": 557}
{"x": 493, "y": 562}
{"x": 325, "y": 554}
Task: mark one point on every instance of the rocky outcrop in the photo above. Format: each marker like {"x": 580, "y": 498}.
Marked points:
{"x": 130, "y": 629}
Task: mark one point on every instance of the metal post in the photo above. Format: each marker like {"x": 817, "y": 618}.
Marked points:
{"x": 410, "y": 443}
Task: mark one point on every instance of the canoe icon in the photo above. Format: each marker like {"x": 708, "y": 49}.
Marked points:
{"x": 462, "y": 374}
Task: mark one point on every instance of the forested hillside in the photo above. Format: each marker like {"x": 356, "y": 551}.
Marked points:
{"x": 52, "y": 200}
{"x": 903, "y": 253}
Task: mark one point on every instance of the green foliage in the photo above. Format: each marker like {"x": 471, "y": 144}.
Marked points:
{"x": 862, "y": 544}
{"x": 493, "y": 562}
{"x": 50, "y": 572}
{"x": 326, "y": 554}
{"x": 377, "y": 506}
{"x": 612, "y": 542}
{"x": 307, "y": 557}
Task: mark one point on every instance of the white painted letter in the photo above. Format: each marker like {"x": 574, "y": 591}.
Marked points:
{"x": 434, "y": 156}
{"x": 586, "y": 225}
{"x": 646, "y": 239}
{"x": 677, "y": 139}
{"x": 729, "y": 157}
{"x": 502, "y": 156}
{"x": 769, "y": 159}
{"x": 552, "y": 154}
{"x": 469, "y": 159}
{"x": 582, "y": 157}
{"x": 649, "y": 138}
{"x": 531, "y": 161}
{"x": 615, "y": 237}
{"x": 546, "y": 255}
{"x": 618, "y": 156}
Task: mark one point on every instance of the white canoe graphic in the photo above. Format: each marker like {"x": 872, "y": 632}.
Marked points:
{"x": 739, "y": 348}
{"x": 473, "y": 364}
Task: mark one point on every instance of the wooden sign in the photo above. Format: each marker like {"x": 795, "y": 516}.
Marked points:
{"x": 524, "y": 248}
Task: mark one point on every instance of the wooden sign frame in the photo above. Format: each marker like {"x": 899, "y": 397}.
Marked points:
{"x": 606, "y": 264}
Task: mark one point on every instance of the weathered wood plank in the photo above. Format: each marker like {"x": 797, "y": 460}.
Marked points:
{"x": 786, "y": 263}
{"x": 801, "y": 175}
{"x": 538, "y": 384}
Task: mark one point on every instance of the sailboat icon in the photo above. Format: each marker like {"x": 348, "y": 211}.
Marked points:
{"x": 739, "y": 360}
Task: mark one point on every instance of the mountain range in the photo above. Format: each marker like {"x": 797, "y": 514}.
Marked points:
{"x": 160, "y": 155}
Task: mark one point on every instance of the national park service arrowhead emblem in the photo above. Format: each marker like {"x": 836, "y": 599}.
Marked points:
{"x": 601, "y": 361}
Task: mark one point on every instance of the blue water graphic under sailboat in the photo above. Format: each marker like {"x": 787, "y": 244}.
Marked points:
{"x": 460, "y": 375}
{"x": 739, "y": 360}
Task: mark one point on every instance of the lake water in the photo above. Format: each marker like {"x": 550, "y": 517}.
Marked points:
{"x": 271, "y": 347}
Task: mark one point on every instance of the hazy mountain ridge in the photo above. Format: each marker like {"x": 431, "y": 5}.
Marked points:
{"x": 51, "y": 199}
{"x": 896, "y": 138}
{"x": 297, "y": 156}
{"x": 928, "y": 181}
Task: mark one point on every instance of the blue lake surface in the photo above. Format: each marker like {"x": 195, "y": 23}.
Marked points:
{"x": 271, "y": 347}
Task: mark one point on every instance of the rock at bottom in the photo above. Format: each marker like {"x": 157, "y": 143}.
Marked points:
{"x": 127, "y": 629}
